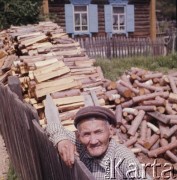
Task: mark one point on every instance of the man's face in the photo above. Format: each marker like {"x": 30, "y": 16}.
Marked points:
{"x": 94, "y": 134}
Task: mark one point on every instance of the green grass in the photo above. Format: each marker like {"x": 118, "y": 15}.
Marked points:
{"x": 11, "y": 173}
{"x": 113, "y": 68}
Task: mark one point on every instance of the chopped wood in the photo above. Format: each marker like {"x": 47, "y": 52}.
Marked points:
{"x": 136, "y": 91}
{"x": 68, "y": 107}
{"x": 51, "y": 71}
{"x": 143, "y": 130}
{"x": 158, "y": 151}
{"x": 2, "y": 60}
{"x": 173, "y": 97}
{"x": 172, "y": 84}
{"x": 68, "y": 100}
{"x": 127, "y": 103}
{"x": 40, "y": 64}
{"x": 171, "y": 131}
{"x": 131, "y": 111}
{"x": 118, "y": 114}
{"x": 146, "y": 108}
{"x": 151, "y": 141}
{"x": 149, "y": 96}
{"x": 160, "y": 117}
{"x": 136, "y": 122}
{"x": 72, "y": 92}
{"x": 153, "y": 127}
{"x": 131, "y": 141}
{"x": 124, "y": 91}
{"x": 156, "y": 145}
{"x": 8, "y": 62}
{"x": 156, "y": 102}
{"x": 34, "y": 40}
{"x": 173, "y": 121}
{"x": 55, "y": 88}
{"x": 150, "y": 76}
{"x": 169, "y": 109}
{"x": 173, "y": 157}
{"x": 150, "y": 87}
{"x": 2, "y": 53}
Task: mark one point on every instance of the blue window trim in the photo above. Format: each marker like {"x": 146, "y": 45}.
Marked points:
{"x": 80, "y": 32}
{"x": 118, "y": 1}
{"x": 125, "y": 12}
{"x": 80, "y": 2}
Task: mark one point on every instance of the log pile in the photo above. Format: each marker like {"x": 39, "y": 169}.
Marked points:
{"x": 50, "y": 62}
{"x": 144, "y": 102}
{"x": 6, "y": 56}
{"x": 147, "y": 115}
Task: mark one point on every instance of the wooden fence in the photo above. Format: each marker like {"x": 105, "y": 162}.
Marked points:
{"x": 32, "y": 155}
{"x": 120, "y": 47}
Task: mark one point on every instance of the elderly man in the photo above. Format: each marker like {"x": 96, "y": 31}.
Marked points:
{"x": 93, "y": 142}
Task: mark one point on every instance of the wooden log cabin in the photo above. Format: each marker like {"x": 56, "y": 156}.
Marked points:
{"x": 132, "y": 18}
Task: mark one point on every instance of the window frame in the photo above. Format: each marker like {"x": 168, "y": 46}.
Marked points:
{"x": 81, "y": 26}
{"x": 118, "y": 14}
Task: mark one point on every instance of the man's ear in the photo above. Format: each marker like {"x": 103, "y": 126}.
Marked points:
{"x": 112, "y": 130}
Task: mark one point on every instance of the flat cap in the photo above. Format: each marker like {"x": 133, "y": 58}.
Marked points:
{"x": 95, "y": 111}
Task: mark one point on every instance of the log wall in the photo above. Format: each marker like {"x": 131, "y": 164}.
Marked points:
{"x": 142, "y": 16}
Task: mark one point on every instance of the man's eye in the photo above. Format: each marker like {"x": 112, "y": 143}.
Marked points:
{"x": 99, "y": 132}
{"x": 86, "y": 134}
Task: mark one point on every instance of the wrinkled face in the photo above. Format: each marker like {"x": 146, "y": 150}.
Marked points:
{"x": 94, "y": 134}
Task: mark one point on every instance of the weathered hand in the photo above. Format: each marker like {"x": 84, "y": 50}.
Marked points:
{"x": 67, "y": 150}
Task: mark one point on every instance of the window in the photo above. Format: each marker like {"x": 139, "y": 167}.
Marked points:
{"x": 80, "y": 18}
{"x": 118, "y": 19}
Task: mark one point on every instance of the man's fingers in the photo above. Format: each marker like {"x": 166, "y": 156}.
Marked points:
{"x": 71, "y": 154}
{"x": 66, "y": 150}
{"x": 75, "y": 151}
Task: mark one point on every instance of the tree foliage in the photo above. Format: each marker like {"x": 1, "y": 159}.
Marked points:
{"x": 18, "y": 12}
{"x": 167, "y": 9}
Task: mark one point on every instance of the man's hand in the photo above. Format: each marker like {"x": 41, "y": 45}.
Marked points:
{"x": 67, "y": 150}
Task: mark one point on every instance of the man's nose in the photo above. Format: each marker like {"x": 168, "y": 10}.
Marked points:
{"x": 93, "y": 139}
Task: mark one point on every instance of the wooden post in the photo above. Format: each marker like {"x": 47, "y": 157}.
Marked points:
{"x": 153, "y": 20}
{"x": 45, "y": 7}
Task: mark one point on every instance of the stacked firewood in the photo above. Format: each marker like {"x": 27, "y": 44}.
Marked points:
{"x": 144, "y": 102}
{"x": 50, "y": 62}
{"x": 6, "y": 56}
{"x": 147, "y": 115}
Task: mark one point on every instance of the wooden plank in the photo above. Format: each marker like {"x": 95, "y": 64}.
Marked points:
{"x": 88, "y": 100}
{"x": 33, "y": 40}
{"x": 45, "y": 91}
{"x": 52, "y": 83}
{"x": 69, "y": 107}
{"x": 48, "y": 69}
{"x": 51, "y": 111}
{"x": 46, "y": 76}
{"x": 40, "y": 64}
{"x": 68, "y": 100}
{"x": 94, "y": 98}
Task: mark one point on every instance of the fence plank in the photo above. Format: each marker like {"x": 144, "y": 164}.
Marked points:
{"x": 121, "y": 47}
{"x": 31, "y": 153}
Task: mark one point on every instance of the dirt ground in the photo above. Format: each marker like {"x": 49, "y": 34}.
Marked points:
{"x": 159, "y": 168}
{"x": 4, "y": 160}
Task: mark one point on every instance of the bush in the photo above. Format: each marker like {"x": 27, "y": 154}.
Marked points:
{"x": 18, "y": 12}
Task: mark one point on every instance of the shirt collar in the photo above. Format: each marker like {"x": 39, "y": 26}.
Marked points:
{"x": 109, "y": 154}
